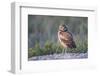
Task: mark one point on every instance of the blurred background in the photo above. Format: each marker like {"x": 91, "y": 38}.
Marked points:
{"x": 42, "y": 28}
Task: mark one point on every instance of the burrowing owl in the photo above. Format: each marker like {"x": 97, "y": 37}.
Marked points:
{"x": 65, "y": 37}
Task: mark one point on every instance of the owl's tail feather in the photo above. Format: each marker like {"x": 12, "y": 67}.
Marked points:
{"x": 72, "y": 45}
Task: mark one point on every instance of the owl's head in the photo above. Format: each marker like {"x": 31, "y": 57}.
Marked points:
{"x": 63, "y": 28}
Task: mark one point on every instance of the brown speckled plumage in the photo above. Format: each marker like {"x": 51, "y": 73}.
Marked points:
{"x": 65, "y": 37}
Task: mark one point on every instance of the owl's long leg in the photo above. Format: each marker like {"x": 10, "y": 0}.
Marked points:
{"x": 63, "y": 50}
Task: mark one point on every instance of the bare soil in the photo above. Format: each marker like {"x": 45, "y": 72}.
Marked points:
{"x": 60, "y": 56}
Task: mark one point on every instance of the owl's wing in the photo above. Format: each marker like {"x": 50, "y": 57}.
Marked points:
{"x": 66, "y": 35}
{"x": 67, "y": 38}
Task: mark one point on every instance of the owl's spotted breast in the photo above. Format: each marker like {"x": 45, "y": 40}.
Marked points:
{"x": 66, "y": 39}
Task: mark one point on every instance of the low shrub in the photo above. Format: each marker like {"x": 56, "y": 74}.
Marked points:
{"x": 51, "y": 48}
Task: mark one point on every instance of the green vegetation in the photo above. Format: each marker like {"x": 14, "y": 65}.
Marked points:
{"x": 51, "y": 48}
